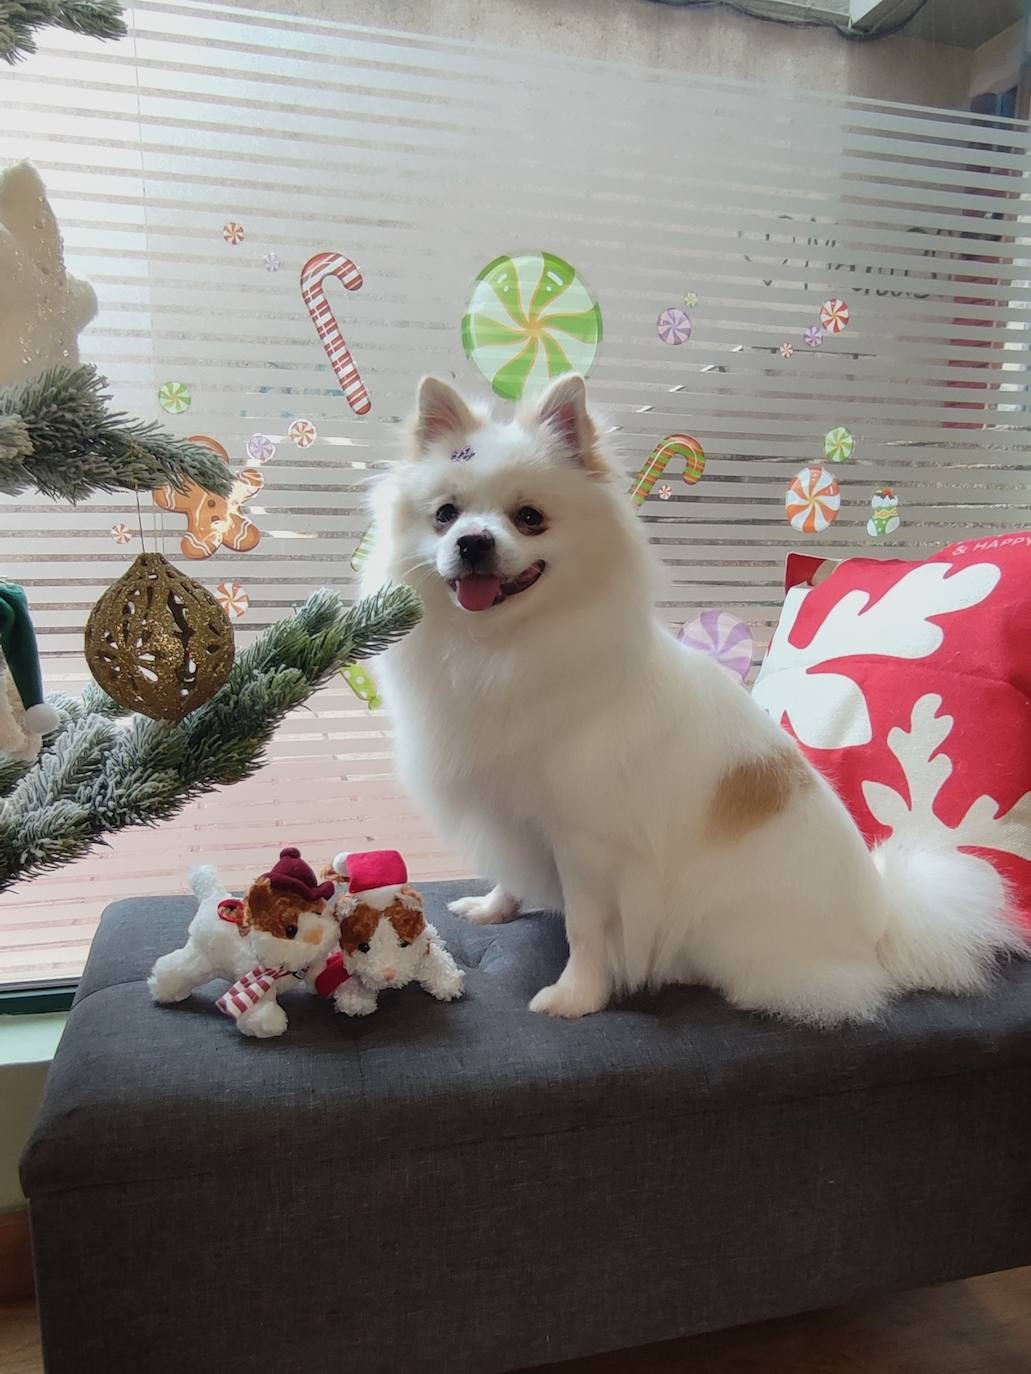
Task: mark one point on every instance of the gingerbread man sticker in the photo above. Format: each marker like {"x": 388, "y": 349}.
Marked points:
{"x": 213, "y": 521}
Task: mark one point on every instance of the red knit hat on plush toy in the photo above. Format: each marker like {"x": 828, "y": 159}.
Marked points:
{"x": 377, "y": 875}
{"x": 292, "y": 874}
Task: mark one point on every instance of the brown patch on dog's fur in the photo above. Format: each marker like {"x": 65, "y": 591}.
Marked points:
{"x": 752, "y": 793}
{"x": 272, "y": 911}
{"x": 408, "y": 921}
{"x": 359, "y": 926}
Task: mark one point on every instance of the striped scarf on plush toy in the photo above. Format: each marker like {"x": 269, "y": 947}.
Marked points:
{"x": 248, "y": 991}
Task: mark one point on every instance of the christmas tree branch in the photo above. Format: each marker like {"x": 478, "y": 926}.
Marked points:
{"x": 18, "y": 19}
{"x": 93, "y": 702}
{"x": 97, "y": 777}
{"x": 58, "y": 435}
{"x": 11, "y": 773}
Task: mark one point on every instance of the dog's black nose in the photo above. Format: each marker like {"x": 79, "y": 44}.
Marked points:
{"x": 475, "y": 548}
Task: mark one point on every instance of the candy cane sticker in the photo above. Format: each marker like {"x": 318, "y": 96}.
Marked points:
{"x": 675, "y": 446}
{"x": 363, "y": 550}
{"x": 313, "y": 289}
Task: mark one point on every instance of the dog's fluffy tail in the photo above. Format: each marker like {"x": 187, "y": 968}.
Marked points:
{"x": 205, "y": 882}
{"x": 949, "y": 918}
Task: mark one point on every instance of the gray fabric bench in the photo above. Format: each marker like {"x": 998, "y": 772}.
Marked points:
{"x": 472, "y": 1188}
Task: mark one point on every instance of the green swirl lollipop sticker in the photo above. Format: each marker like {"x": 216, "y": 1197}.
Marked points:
{"x": 530, "y": 319}
{"x": 839, "y": 444}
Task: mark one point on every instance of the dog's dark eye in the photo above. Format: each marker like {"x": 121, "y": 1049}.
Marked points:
{"x": 447, "y": 514}
{"x": 405, "y": 944}
{"x": 530, "y": 520}
{"x": 364, "y": 948}
{"x": 290, "y": 932}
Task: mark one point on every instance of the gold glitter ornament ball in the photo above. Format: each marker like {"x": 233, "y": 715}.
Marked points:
{"x": 158, "y": 642}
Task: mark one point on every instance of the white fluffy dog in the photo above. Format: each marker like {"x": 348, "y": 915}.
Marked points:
{"x": 587, "y": 762}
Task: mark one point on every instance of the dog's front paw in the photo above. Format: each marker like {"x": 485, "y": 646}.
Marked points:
{"x": 491, "y": 910}
{"x": 568, "y": 999}
{"x": 165, "y": 990}
{"x": 355, "y": 1000}
{"x": 266, "y": 1020}
{"x": 449, "y": 986}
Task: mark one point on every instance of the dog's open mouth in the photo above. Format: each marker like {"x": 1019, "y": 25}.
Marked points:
{"x": 480, "y": 593}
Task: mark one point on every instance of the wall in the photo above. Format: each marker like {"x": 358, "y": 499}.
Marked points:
{"x": 706, "y": 41}
{"x": 27, "y": 1045}
{"x": 996, "y": 64}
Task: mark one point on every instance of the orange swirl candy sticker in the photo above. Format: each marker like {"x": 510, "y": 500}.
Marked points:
{"x": 813, "y": 500}
{"x": 683, "y": 446}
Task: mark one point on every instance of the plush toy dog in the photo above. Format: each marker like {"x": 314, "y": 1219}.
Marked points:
{"x": 285, "y": 924}
{"x": 385, "y": 940}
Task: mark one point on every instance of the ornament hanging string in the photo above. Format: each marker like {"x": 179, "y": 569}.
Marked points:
{"x": 139, "y": 520}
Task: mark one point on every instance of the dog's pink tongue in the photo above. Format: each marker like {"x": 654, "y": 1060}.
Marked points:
{"x": 477, "y": 593}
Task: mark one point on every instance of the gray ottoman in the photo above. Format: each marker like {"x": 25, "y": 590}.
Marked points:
{"x": 475, "y": 1188}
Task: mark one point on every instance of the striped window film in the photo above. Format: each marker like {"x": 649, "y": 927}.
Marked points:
{"x": 422, "y": 160}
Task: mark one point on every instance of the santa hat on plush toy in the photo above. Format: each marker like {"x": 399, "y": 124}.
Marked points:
{"x": 377, "y": 876}
{"x": 292, "y": 874}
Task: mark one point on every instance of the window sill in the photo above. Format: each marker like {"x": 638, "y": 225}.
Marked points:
{"x": 29, "y": 1039}
{"x": 36, "y": 998}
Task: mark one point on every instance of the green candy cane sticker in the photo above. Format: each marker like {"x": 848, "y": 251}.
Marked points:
{"x": 530, "y": 319}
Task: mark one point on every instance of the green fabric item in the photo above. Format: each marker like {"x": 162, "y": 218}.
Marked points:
{"x": 18, "y": 643}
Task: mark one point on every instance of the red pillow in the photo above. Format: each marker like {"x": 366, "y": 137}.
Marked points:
{"x": 909, "y": 686}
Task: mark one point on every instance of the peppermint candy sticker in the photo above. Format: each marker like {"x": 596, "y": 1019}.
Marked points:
{"x": 303, "y": 433}
{"x": 121, "y": 534}
{"x": 174, "y": 397}
{"x": 722, "y": 637}
{"x": 530, "y": 318}
{"x": 813, "y": 336}
{"x": 834, "y": 315}
{"x": 813, "y": 500}
{"x": 674, "y": 325}
{"x": 839, "y": 444}
{"x": 232, "y": 598}
{"x": 261, "y": 448}
{"x": 233, "y": 232}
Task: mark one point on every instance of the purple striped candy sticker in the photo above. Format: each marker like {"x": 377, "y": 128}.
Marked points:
{"x": 723, "y": 637}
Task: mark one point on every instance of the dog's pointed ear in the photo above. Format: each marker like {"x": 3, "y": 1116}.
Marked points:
{"x": 562, "y": 411}
{"x": 441, "y": 415}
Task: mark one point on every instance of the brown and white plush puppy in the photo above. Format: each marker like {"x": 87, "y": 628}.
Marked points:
{"x": 285, "y": 924}
{"x": 385, "y": 939}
